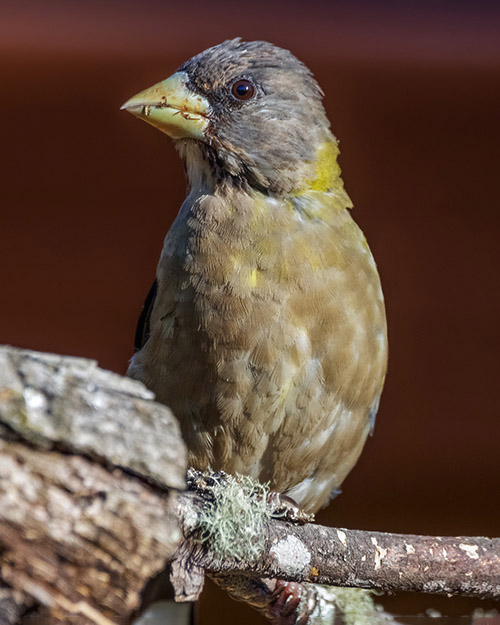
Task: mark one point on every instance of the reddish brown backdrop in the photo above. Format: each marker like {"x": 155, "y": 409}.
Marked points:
{"x": 87, "y": 194}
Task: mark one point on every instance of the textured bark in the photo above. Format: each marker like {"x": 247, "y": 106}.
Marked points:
{"x": 311, "y": 554}
{"x": 69, "y": 404}
{"x": 13, "y": 604}
{"x": 387, "y": 562}
{"x": 78, "y": 535}
{"x": 91, "y": 471}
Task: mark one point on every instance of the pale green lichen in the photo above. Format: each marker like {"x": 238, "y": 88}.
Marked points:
{"x": 356, "y": 605}
{"x": 233, "y": 522}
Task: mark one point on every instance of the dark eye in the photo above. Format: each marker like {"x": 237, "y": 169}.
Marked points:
{"x": 243, "y": 89}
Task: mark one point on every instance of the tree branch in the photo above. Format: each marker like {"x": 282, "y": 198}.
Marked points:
{"x": 468, "y": 566}
{"x": 283, "y": 550}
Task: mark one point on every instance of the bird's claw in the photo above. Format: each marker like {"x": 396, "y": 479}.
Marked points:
{"x": 285, "y": 508}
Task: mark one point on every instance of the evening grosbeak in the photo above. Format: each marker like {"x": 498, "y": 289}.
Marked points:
{"x": 265, "y": 329}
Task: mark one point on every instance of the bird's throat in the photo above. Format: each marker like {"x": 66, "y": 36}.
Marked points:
{"x": 207, "y": 171}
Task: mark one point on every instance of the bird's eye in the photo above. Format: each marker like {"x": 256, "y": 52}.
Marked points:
{"x": 243, "y": 89}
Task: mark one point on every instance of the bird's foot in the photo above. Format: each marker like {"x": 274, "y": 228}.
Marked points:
{"x": 279, "y": 505}
{"x": 283, "y": 609}
{"x": 286, "y": 508}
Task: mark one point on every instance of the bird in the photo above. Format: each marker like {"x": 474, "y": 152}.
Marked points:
{"x": 265, "y": 329}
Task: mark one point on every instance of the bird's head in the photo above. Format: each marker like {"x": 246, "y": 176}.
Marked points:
{"x": 245, "y": 113}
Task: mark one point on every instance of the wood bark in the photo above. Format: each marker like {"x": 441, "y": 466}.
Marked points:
{"x": 90, "y": 467}
{"x": 448, "y": 565}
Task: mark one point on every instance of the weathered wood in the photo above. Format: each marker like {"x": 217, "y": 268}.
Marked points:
{"x": 13, "y": 604}
{"x": 77, "y": 533}
{"x": 70, "y": 404}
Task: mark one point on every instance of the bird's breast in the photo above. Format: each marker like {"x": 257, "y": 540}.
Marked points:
{"x": 273, "y": 327}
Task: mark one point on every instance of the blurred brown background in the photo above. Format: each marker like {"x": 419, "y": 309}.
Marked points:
{"x": 413, "y": 92}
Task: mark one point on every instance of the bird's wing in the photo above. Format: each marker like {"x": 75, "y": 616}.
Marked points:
{"x": 142, "y": 330}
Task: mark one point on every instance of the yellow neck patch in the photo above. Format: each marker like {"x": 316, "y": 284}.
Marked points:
{"x": 325, "y": 179}
{"x": 326, "y": 171}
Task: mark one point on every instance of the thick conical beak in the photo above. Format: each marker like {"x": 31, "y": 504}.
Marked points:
{"x": 172, "y": 108}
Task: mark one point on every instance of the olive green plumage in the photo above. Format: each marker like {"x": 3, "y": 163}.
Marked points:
{"x": 267, "y": 335}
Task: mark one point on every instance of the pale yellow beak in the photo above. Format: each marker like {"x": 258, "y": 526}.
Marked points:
{"x": 172, "y": 108}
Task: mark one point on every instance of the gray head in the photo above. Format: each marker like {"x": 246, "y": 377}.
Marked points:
{"x": 262, "y": 115}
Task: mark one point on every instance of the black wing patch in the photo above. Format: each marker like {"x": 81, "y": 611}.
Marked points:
{"x": 142, "y": 330}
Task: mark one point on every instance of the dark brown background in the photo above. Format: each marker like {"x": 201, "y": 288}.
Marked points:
{"x": 413, "y": 92}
